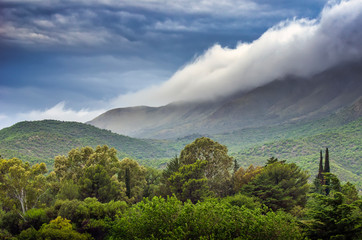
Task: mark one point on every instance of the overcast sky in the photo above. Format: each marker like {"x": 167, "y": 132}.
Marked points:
{"x": 73, "y": 60}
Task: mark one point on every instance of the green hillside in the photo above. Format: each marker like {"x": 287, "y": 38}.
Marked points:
{"x": 301, "y": 146}
{"x": 41, "y": 141}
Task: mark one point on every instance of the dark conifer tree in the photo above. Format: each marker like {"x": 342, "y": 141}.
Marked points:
{"x": 327, "y": 170}
{"x": 320, "y": 171}
{"x": 236, "y": 166}
{"x": 326, "y": 163}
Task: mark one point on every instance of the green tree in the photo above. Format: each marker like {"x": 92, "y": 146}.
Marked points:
{"x": 280, "y": 186}
{"x": 153, "y": 179}
{"x": 133, "y": 175}
{"x": 172, "y": 166}
{"x": 59, "y": 228}
{"x": 89, "y": 172}
{"x": 350, "y": 192}
{"x": 327, "y": 170}
{"x": 160, "y": 218}
{"x": 69, "y": 190}
{"x": 242, "y": 176}
{"x": 332, "y": 217}
{"x": 219, "y": 164}
{"x": 21, "y": 185}
{"x": 97, "y": 183}
{"x": 190, "y": 183}
{"x": 72, "y": 166}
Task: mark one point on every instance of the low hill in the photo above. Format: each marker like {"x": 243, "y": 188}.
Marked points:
{"x": 41, "y": 141}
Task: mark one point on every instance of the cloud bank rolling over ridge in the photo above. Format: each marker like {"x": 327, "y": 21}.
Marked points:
{"x": 300, "y": 47}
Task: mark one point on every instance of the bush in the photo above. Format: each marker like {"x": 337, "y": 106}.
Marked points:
{"x": 35, "y": 218}
{"x": 213, "y": 219}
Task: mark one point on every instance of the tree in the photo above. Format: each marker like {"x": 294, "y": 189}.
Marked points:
{"x": 97, "y": 183}
{"x": 333, "y": 217}
{"x": 219, "y": 164}
{"x": 72, "y": 166}
{"x": 93, "y": 172}
{"x": 236, "y": 166}
{"x": 153, "y": 179}
{"x": 280, "y": 186}
{"x": 189, "y": 182}
{"x": 171, "y": 167}
{"x": 133, "y": 175}
{"x": 320, "y": 170}
{"x": 273, "y": 160}
{"x": 242, "y": 177}
{"x": 59, "y": 228}
{"x": 327, "y": 170}
{"x": 21, "y": 185}
{"x": 350, "y": 192}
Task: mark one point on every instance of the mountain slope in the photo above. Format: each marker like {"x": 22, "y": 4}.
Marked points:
{"x": 344, "y": 145}
{"x": 298, "y": 142}
{"x": 43, "y": 140}
{"x": 285, "y": 100}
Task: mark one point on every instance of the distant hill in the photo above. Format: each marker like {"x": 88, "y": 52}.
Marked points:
{"x": 283, "y": 101}
{"x": 299, "y": 142}
{"x": 344, "y": 143}
{"x": 41, "y": 141}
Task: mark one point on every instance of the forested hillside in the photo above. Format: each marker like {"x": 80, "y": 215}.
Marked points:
{"x": 344, "y": 143}
{"x": 202, "y": 194}
{"x": 41, "y": 141}
{"x": 300, "y": 143}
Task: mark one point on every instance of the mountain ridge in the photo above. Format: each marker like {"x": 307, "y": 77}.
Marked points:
{"x": 283, "y": 100}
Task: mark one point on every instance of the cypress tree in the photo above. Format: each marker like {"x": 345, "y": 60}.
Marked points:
{"x": 327, "y": 170}
{"x": 326, "y": 163}
{"x": 320, "y": 171}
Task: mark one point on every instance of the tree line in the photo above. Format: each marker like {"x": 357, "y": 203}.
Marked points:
{"x": 200, "y": 194}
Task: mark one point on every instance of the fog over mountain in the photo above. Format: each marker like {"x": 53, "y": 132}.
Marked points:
{"x": 299, "y": 47}
{"x": 299, "y": 69}
{"x": 286, "y": 100}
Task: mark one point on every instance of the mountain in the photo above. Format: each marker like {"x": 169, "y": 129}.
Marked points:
{"x": 284, "y": 100}
{"x": 41, "y": 141}
{"x": 298, "y": 141}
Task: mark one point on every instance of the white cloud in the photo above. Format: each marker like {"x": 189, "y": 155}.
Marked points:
{"x": 60, "y": 112}
{"x": 295, "y": 47}
{"x": 57, "y": 112}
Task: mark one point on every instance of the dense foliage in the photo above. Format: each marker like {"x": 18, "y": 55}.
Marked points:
{"x": 91, "y": 194}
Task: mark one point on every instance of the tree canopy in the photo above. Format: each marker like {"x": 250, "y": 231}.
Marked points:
{"x": 21, "y": 185}
{"x": 280, "y": 186}
{"x": 219, "y": 163}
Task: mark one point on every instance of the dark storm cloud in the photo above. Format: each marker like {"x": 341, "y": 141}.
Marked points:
{"x": 84, "y": 53}
{"x": 126, "y": 24}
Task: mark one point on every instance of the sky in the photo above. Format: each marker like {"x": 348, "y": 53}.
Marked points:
{"x": 73, "y": 60}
